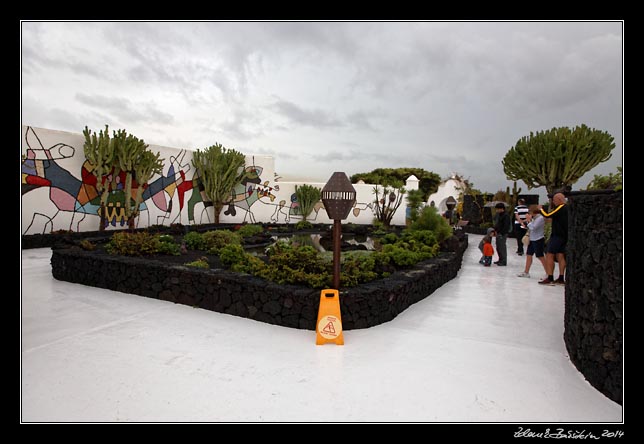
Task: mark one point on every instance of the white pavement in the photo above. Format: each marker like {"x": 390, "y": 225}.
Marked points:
{"x": 485, "y": 347}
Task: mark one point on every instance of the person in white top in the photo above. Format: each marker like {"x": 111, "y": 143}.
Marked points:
{"x": 536, "y": 225}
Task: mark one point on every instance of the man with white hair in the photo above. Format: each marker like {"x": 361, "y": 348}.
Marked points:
{"x": 558, "y": 239}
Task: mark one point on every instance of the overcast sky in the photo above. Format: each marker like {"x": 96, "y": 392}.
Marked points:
{"x": 325, "y": 97}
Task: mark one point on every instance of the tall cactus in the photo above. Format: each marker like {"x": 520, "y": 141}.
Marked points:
{"x": 133, "y": 158}
{"x": 307, "y": 196}
{"x": 219, "y": 170}
{"x": 515, "y": 193}
{"x": 99, "y": 152}
{"x": 147, "y": 166}
{"x": 557, "y": 158}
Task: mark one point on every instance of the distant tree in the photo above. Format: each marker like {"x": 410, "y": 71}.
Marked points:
{"x": 610, "y": 182}
{"x": 219, "y": 170}
{"x": 415, "y": 201}
{"x": 388, "y": 199}
{"x": 428, "y": 181}
{"x": 307, "y": 196}
{"x": 558, "y": 157}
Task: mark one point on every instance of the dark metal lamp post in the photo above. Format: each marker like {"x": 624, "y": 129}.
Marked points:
{"x": 338, "y": 197}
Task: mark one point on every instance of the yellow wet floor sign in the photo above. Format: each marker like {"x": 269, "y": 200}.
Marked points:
{"x": 329, "y": 326}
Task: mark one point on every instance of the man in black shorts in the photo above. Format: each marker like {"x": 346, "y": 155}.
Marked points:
{"x": 558, "y": 239}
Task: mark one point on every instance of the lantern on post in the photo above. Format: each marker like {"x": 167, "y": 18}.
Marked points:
{"x": 338, "y": 197}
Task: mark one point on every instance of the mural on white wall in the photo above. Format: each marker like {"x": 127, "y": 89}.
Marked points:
{"x": 41, "y": 169}
{"x": 59, "y": 191}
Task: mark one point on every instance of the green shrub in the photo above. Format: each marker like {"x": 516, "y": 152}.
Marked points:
{"x": 249, "y": 264}
{"x": 296, "y": 265}
{"x": 194, "y": 241}
{"x": 289, "y": 263}
{"x": 167, "y": 245}
{"x": 378, "y": 228}
{"x": 389, "y": 238}
{"x": 166, "y": 238}
{"x": 420, "y": 237}
{"x": 250, "y": 230}
{"x": 429, "y": 219}
{"x": 231, "y": 254}
{"x": 356, "y": 270}
{"x": 303, "y": 225}
{"x": 202, "y": 262}
{"x": 133, "y": 244}
{"x": 171, "y": 248}
{"x": 238, "y": 260}
{"x": 400, "y": 255}
{"x": 216, "y": 240}
{"x": 142, "y": 244}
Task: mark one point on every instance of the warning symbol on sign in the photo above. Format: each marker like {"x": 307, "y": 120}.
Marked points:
{"x": 329, "y": 328}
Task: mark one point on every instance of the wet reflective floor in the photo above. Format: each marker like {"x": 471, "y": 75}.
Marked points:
{"x": 485, "y": 347}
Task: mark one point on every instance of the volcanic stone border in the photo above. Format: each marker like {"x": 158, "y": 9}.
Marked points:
{"x": 593, "y": 318}
{"x": 251, "y": 297}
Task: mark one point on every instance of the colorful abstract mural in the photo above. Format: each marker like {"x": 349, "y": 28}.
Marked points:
{"x": 59, "y": 191}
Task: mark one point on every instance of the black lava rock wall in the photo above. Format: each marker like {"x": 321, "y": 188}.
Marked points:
{"x": 472, "y": 208}
{"x": 594, "y": 307}
{"x": 251, "y": 297}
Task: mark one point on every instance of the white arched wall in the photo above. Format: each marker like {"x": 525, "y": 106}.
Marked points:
{"x": 450, "y": 187}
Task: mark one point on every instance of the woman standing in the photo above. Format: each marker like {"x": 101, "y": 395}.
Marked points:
{"x": 536, "y": 225}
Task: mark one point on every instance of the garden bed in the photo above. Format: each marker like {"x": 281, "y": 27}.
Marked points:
{"x": 62, "y": 237}
{"x": 166, "y": 278}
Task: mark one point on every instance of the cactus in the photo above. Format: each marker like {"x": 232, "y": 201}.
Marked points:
{"x": 557, "y": 158}
{"x": 148, "y": 165}
{"x": 307, "y": 196}
{"x": 133, "y": 158}
{"x": 99, "y": 152}
{"x": 219, "y": 170}
{"x": 515, "y": 193}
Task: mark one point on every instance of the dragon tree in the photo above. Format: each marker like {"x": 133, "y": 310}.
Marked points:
{"x": 558, "y": 157}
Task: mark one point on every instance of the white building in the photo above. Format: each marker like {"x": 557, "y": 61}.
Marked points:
{"x": 448, "y": 187}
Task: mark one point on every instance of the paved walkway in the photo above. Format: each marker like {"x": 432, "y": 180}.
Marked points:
{"x": 486, "y": 347}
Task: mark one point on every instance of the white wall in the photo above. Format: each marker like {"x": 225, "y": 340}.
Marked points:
{"x": 449, "y": 187}
{"x": 57, "y": 193}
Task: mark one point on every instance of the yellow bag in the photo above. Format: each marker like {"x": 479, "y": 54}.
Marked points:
{"x": 526, "y": 239}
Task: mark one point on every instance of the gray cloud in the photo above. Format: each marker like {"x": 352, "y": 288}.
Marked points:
{"x": 338, "y": 156}
{"x": 129, "y": 112}
{"x": 242, "y": 125}
{"x": 342, "y": 96}
{"x": 360, "y": 120}
{"x": 280, "y": 154}
{"x": 309, "y": 117}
